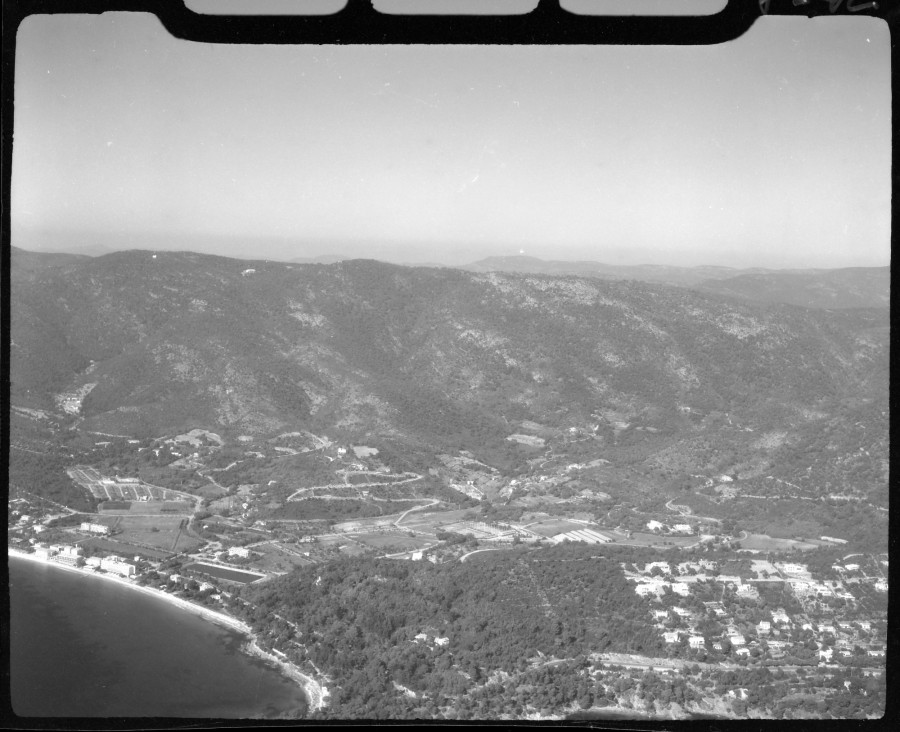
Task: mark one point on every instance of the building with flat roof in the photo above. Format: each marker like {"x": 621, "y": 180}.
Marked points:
{"x": 94, "y": 528}
{"x": 117, "y": 566}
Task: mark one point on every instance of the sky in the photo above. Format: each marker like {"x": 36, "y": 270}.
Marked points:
{"x": 772, "y": 150}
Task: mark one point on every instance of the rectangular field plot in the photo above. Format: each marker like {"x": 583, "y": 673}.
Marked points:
{"x": 276, "y": 558}
{"x": 388, "y": 541}
{"x": 551, "y": 527}
{"x": 126, "y": 550}
{"x": 158, "y": 532}
{"x": 640, "y": 538}
{"x": 431, "y": 520}
{"x": 477, "y": 529}
{"x": 224, "y": 573}
{"x": 763, "y": 542}
{"x": 146, "y": 508}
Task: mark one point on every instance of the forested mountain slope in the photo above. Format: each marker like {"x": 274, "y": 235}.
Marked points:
{"x": 442, "y": 356}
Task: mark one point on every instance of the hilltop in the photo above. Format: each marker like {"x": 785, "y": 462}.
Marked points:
{"x": 849, "y": 287}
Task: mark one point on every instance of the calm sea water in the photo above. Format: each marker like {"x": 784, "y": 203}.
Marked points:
{"x": 84, "y": 647}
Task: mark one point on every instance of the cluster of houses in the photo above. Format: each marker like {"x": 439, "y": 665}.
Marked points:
{"x": 775, "y": 635}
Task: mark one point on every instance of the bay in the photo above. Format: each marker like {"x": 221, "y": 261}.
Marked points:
{"x": 81, "y": 646}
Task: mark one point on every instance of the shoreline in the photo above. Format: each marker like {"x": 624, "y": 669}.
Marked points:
{"x": 314, "y": 692}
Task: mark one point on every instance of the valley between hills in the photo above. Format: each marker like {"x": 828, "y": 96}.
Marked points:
{"x": 477, "y": 493}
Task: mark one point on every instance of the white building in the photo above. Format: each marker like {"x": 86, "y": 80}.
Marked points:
{"x": 671, "y": 636}
{"x": 683, "y": 528}
{"x": 780, "y": 616}
{"x": 790, "y": 568}
{"x": 681, "y": 588}
{"x": 737, "y": 639}
{"x": 664, "y": 566}
{"x": 71, "y": 555}
{"x": 43, "y": 551}
{"x": 654, "y": 525}
{"x": 696, "y": 641}
{"x": 238, "y": 551}
{"x": 94, "y": 528}
{"x": 117, "y": 566}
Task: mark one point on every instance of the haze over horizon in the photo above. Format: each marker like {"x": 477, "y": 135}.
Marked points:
{"x": 770, "y": 151}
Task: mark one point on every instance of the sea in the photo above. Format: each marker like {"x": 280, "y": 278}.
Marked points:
{"x": 81, "y": 646}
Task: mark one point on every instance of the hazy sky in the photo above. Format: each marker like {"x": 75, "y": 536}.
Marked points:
{"x": 772, "y": 150}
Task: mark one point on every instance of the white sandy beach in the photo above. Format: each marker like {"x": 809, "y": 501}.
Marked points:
{"x": 315, "y": 692}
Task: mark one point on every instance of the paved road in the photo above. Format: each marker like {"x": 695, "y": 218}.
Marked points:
{"x": 431, "y": 502}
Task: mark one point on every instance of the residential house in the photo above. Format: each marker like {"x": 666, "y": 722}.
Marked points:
{"x": 791, "y": 568}
{"x": 696, "y": 641}
{"x": 780, "y": 616}
{"x": 671, "y": 636}
{"x": 663, "y": 566}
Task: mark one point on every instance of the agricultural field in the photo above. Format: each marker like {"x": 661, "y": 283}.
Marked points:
{"x": 352, "y": 549}
{"x": 640, "y": 538}
{"x": 147, "y": 508}
{"x": 766, "y": 543}
{"x": 126, "y": 550}
{"x": 552, "y": 527}
{"x": 391, "y": 541}
{"x": 211, "y": 491}
{"x": 224, "y": 573}
{"x": 159, "y": 532}
{"x": 276, "y": 558}
{"x": 112, "y": 489}
{"x": 430, "y": 521}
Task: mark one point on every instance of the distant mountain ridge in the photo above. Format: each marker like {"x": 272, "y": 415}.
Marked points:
{"x": 849, "y": 287}
{"x": 666, "y": 274}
